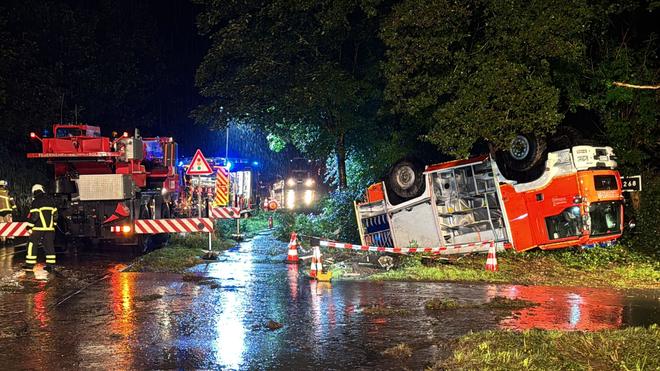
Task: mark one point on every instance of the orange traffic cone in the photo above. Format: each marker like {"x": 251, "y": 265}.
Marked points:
{"x": 316, "y": 266}
{"x": 292, "y": 256}
{"x": 491, "y": 261}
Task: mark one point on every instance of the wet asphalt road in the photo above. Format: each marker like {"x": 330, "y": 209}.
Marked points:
{"x": 160, "y": 321}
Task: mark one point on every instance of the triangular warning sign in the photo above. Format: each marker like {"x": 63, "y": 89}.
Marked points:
{"x": 199, "y": 165}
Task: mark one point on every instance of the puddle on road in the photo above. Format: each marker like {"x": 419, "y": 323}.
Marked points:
{"x": 325, "y": 325}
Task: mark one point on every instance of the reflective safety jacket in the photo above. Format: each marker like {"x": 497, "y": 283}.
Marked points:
{"x": 43, "y": 213}
{"x": 6, "y": 202}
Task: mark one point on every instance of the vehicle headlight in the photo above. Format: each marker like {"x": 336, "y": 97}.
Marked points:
{"x": 308, "y": 197}
{"x": 291, "y": 182}
{"x": 290, "y": 199}
{"x": 309, "y": 182}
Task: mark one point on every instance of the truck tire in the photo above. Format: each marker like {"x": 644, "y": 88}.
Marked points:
{"x": 524, "y": 159}
{"x": 567, "y": 137}
{"x": 405, "y": 181}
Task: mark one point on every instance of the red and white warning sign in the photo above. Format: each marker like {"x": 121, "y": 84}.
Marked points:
{"x": 199, "y": 165}
{"x": 226, "y": 213}
{"x": 150, "y": 226}
{"x": 14, "y": 229}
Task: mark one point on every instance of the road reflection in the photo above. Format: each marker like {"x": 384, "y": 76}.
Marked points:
{"x": 561, "y": 308}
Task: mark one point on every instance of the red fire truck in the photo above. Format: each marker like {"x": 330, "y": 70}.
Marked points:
{"x": 102, "y": 185}
{"x": 464, "y": 204}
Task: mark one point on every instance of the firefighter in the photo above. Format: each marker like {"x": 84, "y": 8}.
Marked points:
{"x": 42, "y": 221}
{"x": 7, "y": 205}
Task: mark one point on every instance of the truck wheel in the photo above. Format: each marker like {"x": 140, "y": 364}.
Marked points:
{"x": 524, "y": 159}
{"x": 567, "y": 137}
{"x": 405, "y": 181}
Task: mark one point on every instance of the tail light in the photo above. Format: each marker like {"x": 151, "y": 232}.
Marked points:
{"x": 121, "y": 229}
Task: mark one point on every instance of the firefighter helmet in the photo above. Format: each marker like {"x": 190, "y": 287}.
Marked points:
{"x": 38, "y": 188}
{"x": 3, "y": 183}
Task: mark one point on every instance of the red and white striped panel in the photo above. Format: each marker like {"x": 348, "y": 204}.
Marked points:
{"x": 226, "y": 213}
{"x": 449, "y": 249}
{"x": 151, "y": 226}
{"x": 14, "y": 229}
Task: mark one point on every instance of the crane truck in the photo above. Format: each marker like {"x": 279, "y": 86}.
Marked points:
{"x": 103, "y": 184}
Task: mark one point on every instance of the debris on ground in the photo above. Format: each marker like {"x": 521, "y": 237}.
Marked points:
{"x": 192, "y": 277}
{"x": 500, "y": 302}
{"x": 386, "y": 262}
{"x": 272, "y": 325}
{"x": 441, "y": 304}
{"x": 398, "y": 351}
{"x": 378, "y": 310}
{"x": 201, "y": 280}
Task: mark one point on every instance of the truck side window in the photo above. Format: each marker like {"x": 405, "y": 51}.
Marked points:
{"x": 568, "y": 223}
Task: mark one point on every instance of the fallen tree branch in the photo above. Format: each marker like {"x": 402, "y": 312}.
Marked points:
{"x": 632, "y": 86}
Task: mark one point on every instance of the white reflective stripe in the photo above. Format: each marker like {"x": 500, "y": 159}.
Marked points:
{"x": 145, "y": 228}
{"x": 178, "y": 225}
{"x": 159, "y": 226}
{"x": 188, "y": 225}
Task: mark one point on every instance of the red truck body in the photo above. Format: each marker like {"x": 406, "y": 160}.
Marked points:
{"x": 103, "y": 184}
{"x": 577, "y": 201}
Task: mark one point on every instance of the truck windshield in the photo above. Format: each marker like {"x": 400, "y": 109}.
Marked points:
{"x": 605, "y": 182}
{"x": 568, "y": 223}
{"x": 154, "y": 150}
{"x": 68, "y": 132}
{"x": 605, "y": 218}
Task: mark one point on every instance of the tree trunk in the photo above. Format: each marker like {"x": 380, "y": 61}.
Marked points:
{"x": 340, "y": 149}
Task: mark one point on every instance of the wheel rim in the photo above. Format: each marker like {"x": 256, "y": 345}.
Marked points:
{"x": 405, "y": 177}
{"x": 519, "y": 148}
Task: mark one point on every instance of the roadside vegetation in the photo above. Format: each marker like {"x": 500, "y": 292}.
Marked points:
{"x": 250, "y": 226}
{"x": 498, "y": 302}
{"x": 181, "y": 253}
{"x": 617, "y": 266}
{"x": 633, "y": 348}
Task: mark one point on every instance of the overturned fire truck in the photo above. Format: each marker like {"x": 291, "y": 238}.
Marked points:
{"x": 463, "y": 206}
{"x": 103, "y": 185}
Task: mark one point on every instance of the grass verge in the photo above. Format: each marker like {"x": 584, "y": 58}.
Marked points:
{"x": 249, "y": 226}
{"x": 616, "y": 267}
{"x": 399, "y": 351}
{"x": 633, "y": 348}
{"x": 497, "y": 302}
{"x": 378, "y": 310}
{"x": 180, "y": 254}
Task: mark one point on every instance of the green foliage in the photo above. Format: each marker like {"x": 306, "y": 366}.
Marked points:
{"x": 275, "y": 143}
{"x": 484, "y": 69}
{"x": 633, "y": 348}
{"x": 181, "y": 253}
{"x": 631, "y": 117}
{"x": 592, "y": 259}
{"x": 304, "y": 71}
{"x": 336, "y": 221}
{"x": 645, "y": 236}
{"x": 444, "y": 273}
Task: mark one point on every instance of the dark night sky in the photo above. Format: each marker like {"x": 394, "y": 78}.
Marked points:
{"x": 180, "y": 50}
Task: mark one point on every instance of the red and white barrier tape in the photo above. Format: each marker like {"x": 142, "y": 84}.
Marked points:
{"x": 149, "y": 226}
{"x": 14, "y": 229}
{"x": 458, "y": 248}
{"x": 226, "y": 213}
